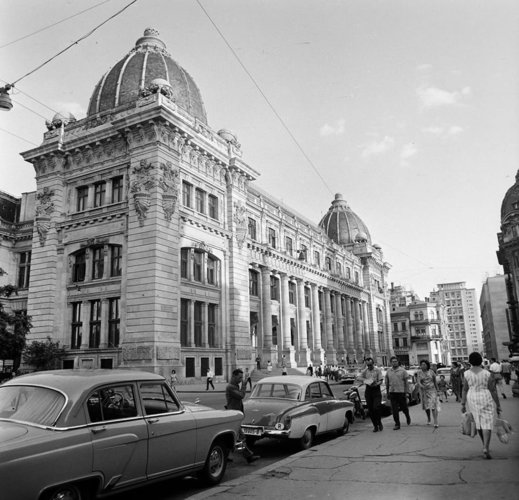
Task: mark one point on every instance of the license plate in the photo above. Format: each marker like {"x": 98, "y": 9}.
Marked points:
{"x": 252, "y": 431}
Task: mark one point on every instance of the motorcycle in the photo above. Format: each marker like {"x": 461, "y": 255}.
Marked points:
{"x": 353, "y": 395}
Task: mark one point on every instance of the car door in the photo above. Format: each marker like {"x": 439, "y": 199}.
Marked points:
{"x": 320, "y": 402}
{"x": 119, "y": 435}
{"x": 172, "y": 434}
{"x": 334, "y": 411}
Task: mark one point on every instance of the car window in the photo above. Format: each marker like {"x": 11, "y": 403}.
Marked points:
{"x": 314, "y": 391}
{"x": 112, "y": 403}
{"x": 325, "y": 390}
{"x": 280, "y": 391}
{"x": 156, "y": 399}
{"x": 35, "y": 405}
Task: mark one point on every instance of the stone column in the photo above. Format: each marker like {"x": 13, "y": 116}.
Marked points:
{"x": 286, "y": 347}
{"x": 350, "y": 339}
{"x": 339, "y": 322}
{"x": 367, "y": 339}
{"x": 304, "y": 354}
{"x": 103, "y": 340}
{"x": 269, "y": 351}
{"x": 359, "y": 351}
{"x": 318, "y": 351}
{"x": 331, "y": 353}
{"x": 85, "y": 324}
{"x": 205, "y": 326}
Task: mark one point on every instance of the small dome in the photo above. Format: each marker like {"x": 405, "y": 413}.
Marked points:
{"x": 510, "y": 205}
{"x": 146, "y": 69}
{"x": 344, "y": 226}
{"x": 62, "y": 118}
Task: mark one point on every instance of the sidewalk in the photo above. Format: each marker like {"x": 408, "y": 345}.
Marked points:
{"x": 417, "y": 462}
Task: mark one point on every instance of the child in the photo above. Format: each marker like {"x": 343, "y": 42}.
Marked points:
{"x": 442, "y": 388}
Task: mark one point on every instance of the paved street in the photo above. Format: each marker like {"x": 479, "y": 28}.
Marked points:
{"x": 417, "y": 462}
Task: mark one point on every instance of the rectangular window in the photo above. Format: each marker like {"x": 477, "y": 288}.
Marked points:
{"x": 99, "y": 193}
{"x": 24, "y": 269}
{"x": 77, "y": 326}
{"x": 339, "y": 268}
{"x": 114, "y": 321}
{"x": 200, "y": 200}
{"x": 116, "y": 260}
{"x": 272, "y": 237}
{"x": 218, "y": 366}
{"x": 184, "y": 259}
{"x": 211, "y": 325}
{"x": 82, "y": 198}
{"x": 348, "y": 273}
{"x": 97, "y": 263}
{"x": 395, "y": 327}
{"x": 187, "y": 191}
{"x": 212, "y": 206}
{"x": 211, "y": 270}
{"x": 403, "y": 326}
{"x": 291, "y": 293}
{"x": 307, "y": 296}
{"x": 253, "y": 283}
{"x": 199, "y": 324}
{"x": 184, "y": 322}
{"x": 274, "y": 288}
{"x": 117, "y": 189}
{"x": 328, "y": 263}
{"x": 190, "y": 367}
{"x": 303, "y": 254}
{"x": 252, "y": 229}
{"x": 79, "y": 267}
{"x": 197, "y": 266}
{"x": 317, "y": 258}
{"x": 289, "y": 245}
{"x": 356, "y": 276}
{"x": 95, "y": 324}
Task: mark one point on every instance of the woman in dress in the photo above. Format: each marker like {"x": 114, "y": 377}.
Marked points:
{"x": 479, "y": 391}
{"x": 428, "y": 391}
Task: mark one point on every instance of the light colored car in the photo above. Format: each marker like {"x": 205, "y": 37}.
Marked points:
{"x": 349, "y": 375}
{"x": 75, "y": 434}
{"x": 446, "y": 372}
{"x": 294, "y": 408}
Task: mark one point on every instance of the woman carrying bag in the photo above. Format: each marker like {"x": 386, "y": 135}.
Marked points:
{"x": 479, "y": 392}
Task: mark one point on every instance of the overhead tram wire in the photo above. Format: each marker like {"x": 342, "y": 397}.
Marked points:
{"x": 18, "y": 136}
{"x": 52, "y": 25}
{"x": 284, "y": 125}
{"x": 72, "y": 44}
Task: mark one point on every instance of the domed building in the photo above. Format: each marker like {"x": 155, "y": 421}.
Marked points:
{"x": 152, "y": 246}
{"x": 508, "y": 257}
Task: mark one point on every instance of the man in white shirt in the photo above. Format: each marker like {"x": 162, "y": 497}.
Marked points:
{"x": 495, "y": 370}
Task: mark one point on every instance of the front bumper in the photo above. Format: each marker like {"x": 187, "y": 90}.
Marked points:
{"x": 261, "y": 432}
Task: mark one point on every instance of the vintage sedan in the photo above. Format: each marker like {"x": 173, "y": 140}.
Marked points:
{"x": 296, "y": 408}
{"x": 75, "y": 434}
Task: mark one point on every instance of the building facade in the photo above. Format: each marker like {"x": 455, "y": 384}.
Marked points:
{"x": 494, "y": 317}
{"x": 508, "y": 257}
{"x": 151, "y": 247}
{"x": 464, "y": 328}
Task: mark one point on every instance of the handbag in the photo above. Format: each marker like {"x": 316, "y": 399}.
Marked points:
{"x": 503, "y": 430}
{"x": 468, "y": 425}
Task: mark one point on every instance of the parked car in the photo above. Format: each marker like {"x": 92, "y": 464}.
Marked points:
{"x": 75, "y": 434}
{"x": 446, "y": 372}
{"x": 295, "y": 408}
{"x": 349, "y": 375}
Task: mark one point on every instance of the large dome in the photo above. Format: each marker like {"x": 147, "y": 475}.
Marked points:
{"x": 148, "y": 62}
{"x": 344, "y": 226}
{"x": 510, "y": 203}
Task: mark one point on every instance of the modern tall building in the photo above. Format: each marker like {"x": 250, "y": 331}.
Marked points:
{"x": 494, "y": 317}
{"x": 462, "y": 318}
{"x": 508, "y": 257}
{"x": 150, "y": 246}
{"x": 419, "y": 328}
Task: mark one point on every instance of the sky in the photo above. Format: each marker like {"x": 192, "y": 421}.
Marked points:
{"x": 409, "y": 109}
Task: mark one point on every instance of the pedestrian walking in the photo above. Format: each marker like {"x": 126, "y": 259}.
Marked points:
{"x": 173, "y": 379}
{"x": 284, "y": 370}
{"x": 247, "y": 380}
{"x": 209, "y": 379}
{"x": 258, "y": 363}
{"x": 456, "y": 380}
{"x": 310, "y": 370}
{"x": 506, "y": 370}
{"x": 234, "y": 394}
{"x": 269, "y": 366}
{"x": 428, "y": 391}
{"x": 495, "y": 371}
{"x": 371, "y": 376}
{"x": 480, "y": 398}
{"x": 443, "y": 388}
{"x": 397, "y": 389}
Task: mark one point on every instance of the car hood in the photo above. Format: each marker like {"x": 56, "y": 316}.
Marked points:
{"x": 196, "y": 408}
{"x": 267, "y": 411}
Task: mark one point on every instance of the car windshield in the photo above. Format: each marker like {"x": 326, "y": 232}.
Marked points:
{"x": 35, "y": 405}
{"x": 280, "y": 391}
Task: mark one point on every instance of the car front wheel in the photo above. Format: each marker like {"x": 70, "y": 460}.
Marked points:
{"x": 69, "y": 492}
{"x": 307, "y": 439}
{"x": 345, "y": 428}
{"x": 215, "y": 464}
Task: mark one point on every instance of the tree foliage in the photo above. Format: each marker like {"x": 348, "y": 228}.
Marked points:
{"x": 44, "y": 355}
{"x": 14, "y": 326}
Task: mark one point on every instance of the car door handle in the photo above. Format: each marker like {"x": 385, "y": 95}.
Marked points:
{"x": 152, "y": 420}
{"x": 97, "y": 430}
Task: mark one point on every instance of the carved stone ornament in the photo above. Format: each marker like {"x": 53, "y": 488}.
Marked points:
{"x": 43, "y": 225}
{"x": 44, "y": 203}
{"x": 240, "y": 221}
{"x": 141, "y": 183}
{"x": 169, "y": 182}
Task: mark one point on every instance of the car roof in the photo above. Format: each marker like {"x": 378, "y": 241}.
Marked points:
{"x": 302, "y": 380}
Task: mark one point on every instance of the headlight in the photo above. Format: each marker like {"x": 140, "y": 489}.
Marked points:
{"x": 285, "y": 423}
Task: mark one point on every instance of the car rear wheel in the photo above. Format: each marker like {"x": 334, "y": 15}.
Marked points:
{"x": 307, "y": 439}
{"x": 215, "y": 464}
{"x": 69, "y": 492}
